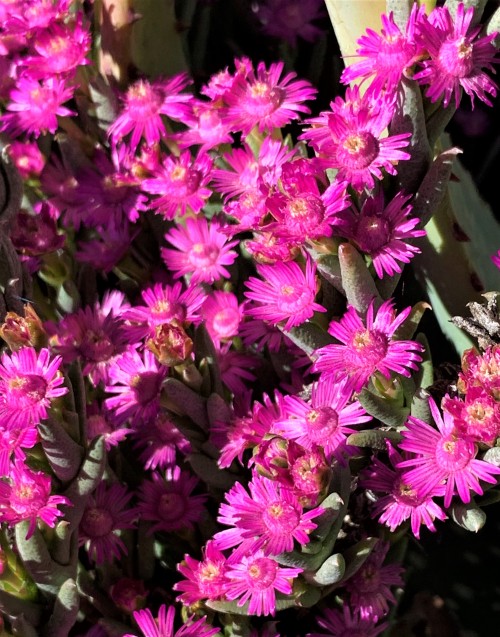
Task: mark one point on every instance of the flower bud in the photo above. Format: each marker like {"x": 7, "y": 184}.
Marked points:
{"x": 170, "y": 344}
{"x": 129, "y": 594}
{"x": 27, "y": 331}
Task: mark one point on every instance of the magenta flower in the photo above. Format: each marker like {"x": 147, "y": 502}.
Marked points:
{"x": 222, "y": 314}
{"x": 481, "y": 370}
{"x": 325, "y": 420}
{"x": 368, "y": 349}
{"x": 159, "y": 441}
{"x": 143, "y": 106}
{"x": 443, "y": 456}
{"x": 25, "y": 495}
{"x": 369, "y": 587}
{"x": 458, "y": 57}
{"x": 181, "y": 184}
{"x": 204, "y": 580}
{"x": 34, "y": 106}
{"x": 286, "y": 293}
{"x": 136, "y": 381}
{"x": 477, "y": 416}
{"x": 389, "y": 55}
{"x": 163, "y": 626}
{"x": 266, "y": 100}
{"x": 14, "y": 438}
{"x": 168, "y": 502}
{"x": 202, "y": 251}
{"x": 399, "y": 500}
{"x": 347, "y": 623}
{"x": 349, "y": 139}
{"x": 291, "y": 19}
{"x": 381, "y": 232}
{"x": 255, "y": 579}
{"x": 29, "y": 381}
{"x": 270, "y": 518}
{"x": 496, "y": 259}
{"x": 105, "y": 515}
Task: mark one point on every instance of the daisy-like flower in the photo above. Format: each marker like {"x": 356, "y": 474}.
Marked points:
{"x": 477, "y": 416}
{"x": 285, "y": 293}
{"x": 481, "y": 370}
{"x": 443, "y": 455}
{"x": 399, "y": 500}
{"x": 349, "y": 139}
{"x": 143, "y": 106}
{"x": 388, "y": 55}
{"x": 458, "y": 58}
{"x": 235, "y": 368}
{"x": 106, "y": 514}
{"x": 270, "y": 518}
{"x": 255, "y": 579}
{"x": 381, "y": 232}
{"x": 369, "y": 587}
{"x": 163, "y": 626}
{"x": 168, "y": 502}
{"x": 180, "y": 183}
{"x": 59, "y": 50}
{"x": 25, "y": 495}
{"x": 325, "y": 420}
{"x": 347, "y": 623}
{"x": 14, "y": 439}
{"x": 207, "y": 127}
{"x": 159, "y": 441}
{"x": 100, "y": 424}
{"x": 291, "y": 19}
{"x": 29, "y": 381}
{"x": 204, "y": 580}
{"x": 264, "y": 99}
{"x": 136, "y": 380}
{"x": 222, "y": 314}
{"x": 368, "y": 349}
{"x": 34, "y": 106}
{"x": 202, "y": 251}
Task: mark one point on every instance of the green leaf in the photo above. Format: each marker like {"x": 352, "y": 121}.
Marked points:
{"x": 63, "y": 453}
{"x": 360, "y": 288}
{"x": 66, "y": 608}
{"x": 373, "y": 438}
{"x": 207, "y": 469}
{"x": 469, "y": 516}
{"x": 382, "y": 409}
{"x": 356, "y": 556}
{"x": 309, "y": 337}
{"x": 330, "y": 572}
{"x": 186, "y": 402}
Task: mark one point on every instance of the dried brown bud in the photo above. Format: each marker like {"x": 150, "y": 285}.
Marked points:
{"x": 27, "y": 331}
{"x": 170, "y": 344}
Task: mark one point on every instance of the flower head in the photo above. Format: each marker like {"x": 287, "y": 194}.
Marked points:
{"x": 347, "y": 623}
{"x": 286, "y": 293}
{"x": 204, "y": 580}
{"x": 443, "y": 455}
{"x": 255, "y": 579}
{"x": 457, "y": 57}
{"x": 105, "y": 514}
{"x": 163, "y": 626}
{"x": 370, "y": 348}
{"x": 202, "y": 251}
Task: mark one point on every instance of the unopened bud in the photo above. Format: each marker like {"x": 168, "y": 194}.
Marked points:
{"x": 18, "y": 331}
{"x": 129, "y": 594}
{"x": 170, "y": 344}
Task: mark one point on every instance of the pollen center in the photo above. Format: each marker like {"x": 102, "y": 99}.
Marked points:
{"x": 358, "y": 150}
{"x": 262, "y": 573}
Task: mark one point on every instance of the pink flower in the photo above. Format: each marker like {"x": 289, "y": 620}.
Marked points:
{"x": 368, "y": 349}
{"x": 381, "y": 232}
{"x": 136, "y": 381}
{"x": 222, "y": 314}
{"x": 481, "y": 370}
{"x": 349, "y": 139}
{"x": 34, "y": 106}
{"x": 443, "y": 456}
{"x": 207, "y": 127}
{"x": 477, "y": 416}
{"x": 202, "y": 251}
{"x": 369, "y": 587}
{"x": 164, "y": 304}
{"x": 204, "y": 580}
{"x": 286, "y": 293}
{"x": 325, "y": 420}
{"x": 25, "y": 495}
{"x": 15, "y": 437}
{"x": 27, "y": 158}
{"x": 181, "y": 184}
{"x": 106, "y": 514}
{"x": 347, "y": 623}
{"x": 388, "y": 55}
{"x": 457, "y": 57}
{"x": 399, "y": 500}
{"x": 236, "y": 368}
{"x": 291, "y": 19}
{"x": 159, "y": 441}
{"x": 264, "y": 100}
{"x": 163, "y": 626}
{"x": 270, "y": 518}
{"x": 28, "y": 383}
{"x": 496, "y": 259}
{"x": 144, "y": 104}
{"x": 168, "y": 502}
{"x": 256, "y": 578}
